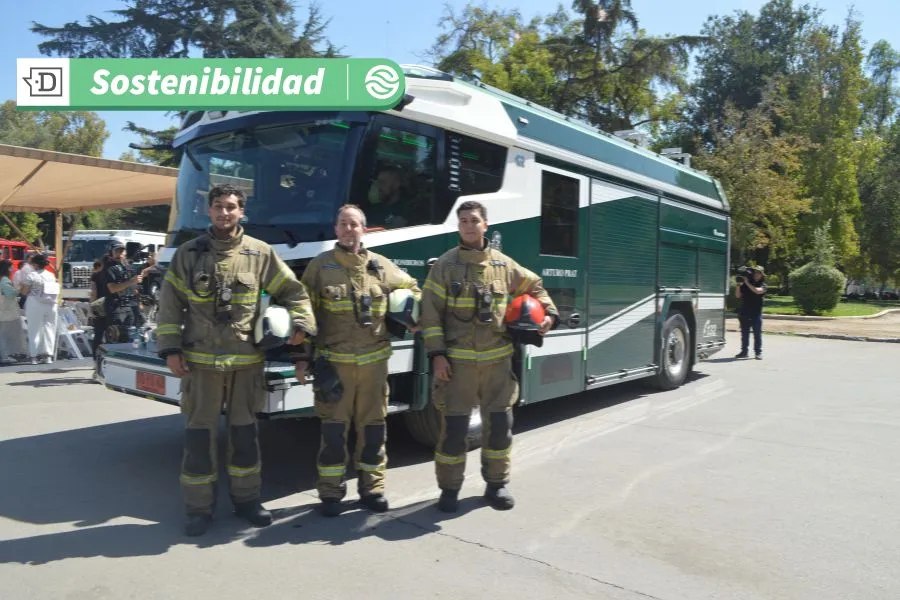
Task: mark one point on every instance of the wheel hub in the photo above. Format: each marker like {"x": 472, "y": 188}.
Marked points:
{"x": 676, "y": 349}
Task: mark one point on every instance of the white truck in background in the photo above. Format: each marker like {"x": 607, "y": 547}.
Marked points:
{"x": 91, "y": 244}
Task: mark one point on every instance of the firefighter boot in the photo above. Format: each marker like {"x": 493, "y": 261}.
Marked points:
{"x": 197, "y": 524}
{"x": 253, "y": 512}
{"x": 331, "y": 507}
{"x": 449, "y": 501}
{"x": 374, "y": 502}
{"x": 499, "y": 497}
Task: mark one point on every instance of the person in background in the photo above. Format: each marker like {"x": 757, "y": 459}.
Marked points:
{"x": 12, "y": 338}
{"x": 25, "y": 267}
{"x": 751, "y": 294}
{"x": 42, "y": 293}
{"x": 122, "y": 302}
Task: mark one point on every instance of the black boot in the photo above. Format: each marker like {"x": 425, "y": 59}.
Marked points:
{"x": 197, "y": 524}
{"x": 253, "y": 512}
{"x": 499, "y": 497}
{"x": 374, "y": 502}
{"x": 331, "y": 507}
{"x": 449, "y": 501}
{"x": 741, "y": 354}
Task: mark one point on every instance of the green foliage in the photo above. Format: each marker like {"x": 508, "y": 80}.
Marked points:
{"x": 822, "y": 246}
{"x": 760, "y": 172}
{"x": 597, "y": 67}
{"x": 829, "y": 115}
{"x": 817, "y": 287}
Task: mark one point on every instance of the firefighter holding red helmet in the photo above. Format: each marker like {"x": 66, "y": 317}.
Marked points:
{"x": 468, "y": 323}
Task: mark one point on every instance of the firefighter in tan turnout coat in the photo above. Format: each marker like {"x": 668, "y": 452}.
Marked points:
{"x": 349, "y": 287}
{"x": 209, "y": 304}
{"x": 463, "y": 307}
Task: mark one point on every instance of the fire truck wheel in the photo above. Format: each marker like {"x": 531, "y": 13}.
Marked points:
{"x": 675, "y": 353}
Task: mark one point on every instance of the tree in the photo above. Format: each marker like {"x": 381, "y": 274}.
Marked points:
{"x": 882, "y": 95}
{"x": 743, "y": 55}
{"x": 880, "y": 221}
{"x": 760, "y": 173}
{"x": 817, "y": 285}
{"x": 184, "y": 28}
{"x": 599, "y": 67}
{"x": 829, "y": 115}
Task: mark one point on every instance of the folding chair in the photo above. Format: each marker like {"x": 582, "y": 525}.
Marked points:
{"x": 69, "y": 331}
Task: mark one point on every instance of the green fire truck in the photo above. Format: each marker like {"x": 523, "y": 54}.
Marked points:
{"x": 633, "y": 246}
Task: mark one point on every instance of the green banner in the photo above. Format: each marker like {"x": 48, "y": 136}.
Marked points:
{"x": 208, "y": 84}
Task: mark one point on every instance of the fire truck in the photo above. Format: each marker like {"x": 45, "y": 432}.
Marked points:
{"x": 632, "y": 245}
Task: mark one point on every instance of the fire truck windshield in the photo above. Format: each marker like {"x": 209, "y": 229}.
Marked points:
{"x": 295, "y": 176}
{"x": 87, "y": 250}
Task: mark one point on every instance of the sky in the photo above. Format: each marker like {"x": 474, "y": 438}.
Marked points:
{"x": 364, "y": 29}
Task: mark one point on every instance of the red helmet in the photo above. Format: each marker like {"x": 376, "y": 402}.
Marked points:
{"x": 524, "y": 313}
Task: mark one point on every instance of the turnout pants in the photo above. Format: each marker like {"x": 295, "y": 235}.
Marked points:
{"x": 495, "y": 389}
{"x": 751, "y": 322}
{"x": 364, "y": 407}
{"x": 204, "y": 393}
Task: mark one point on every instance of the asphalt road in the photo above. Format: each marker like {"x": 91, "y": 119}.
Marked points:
{"x": 759, "y": 479}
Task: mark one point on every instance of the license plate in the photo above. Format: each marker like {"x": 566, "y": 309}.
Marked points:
{"x": 151, "y": 382}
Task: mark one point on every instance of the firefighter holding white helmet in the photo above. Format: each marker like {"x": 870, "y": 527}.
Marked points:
{"x": 350, "y": 287}
{"x": 208, "y": 308}
{"x": 466, "y": 332}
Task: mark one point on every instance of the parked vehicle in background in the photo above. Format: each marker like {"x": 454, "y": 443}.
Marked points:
{"x": 91, "y": 244}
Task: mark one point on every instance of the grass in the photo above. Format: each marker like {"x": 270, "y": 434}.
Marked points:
{"x": 784, "y": 305}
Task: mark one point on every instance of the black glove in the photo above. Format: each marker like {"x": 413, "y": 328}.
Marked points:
{"x": 326, "y": 381}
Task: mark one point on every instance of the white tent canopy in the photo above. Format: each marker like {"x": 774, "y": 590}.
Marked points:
{"x": 33, "y": 180}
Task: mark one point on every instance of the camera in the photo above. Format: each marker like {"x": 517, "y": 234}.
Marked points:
{"x": 744, "y": 274}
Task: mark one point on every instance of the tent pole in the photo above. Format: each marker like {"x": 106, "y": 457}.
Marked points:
{"x": 59, "y": 257}
{"x": 18, "y": 231}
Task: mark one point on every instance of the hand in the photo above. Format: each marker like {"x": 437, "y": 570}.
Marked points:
{"x": 546, "y": 324}
{"x": 139, "y": 278}
{"x": 298, "y": 338}
{"x": 440, "y": 366}
{"x": 177, "y": 365}
{"x": 300, "y": 367}
{"x": 413, "y": 328}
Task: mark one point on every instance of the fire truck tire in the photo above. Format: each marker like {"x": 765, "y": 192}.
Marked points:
{"x": 675, "y": 353}
{"x": 425, "y": 426}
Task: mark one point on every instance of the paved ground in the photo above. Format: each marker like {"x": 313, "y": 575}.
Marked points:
{"x": 772, "y": 479}
{"x": 886, "y": 326}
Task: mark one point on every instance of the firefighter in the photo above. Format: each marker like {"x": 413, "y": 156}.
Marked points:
{"x": 208, "y": 306}
{"x": 349, "y": 287}
{"x": 463, "y": 308}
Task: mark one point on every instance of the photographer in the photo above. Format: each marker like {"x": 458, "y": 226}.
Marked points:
{"x": 751, "y": 287}
{"x": 121, "y": 301}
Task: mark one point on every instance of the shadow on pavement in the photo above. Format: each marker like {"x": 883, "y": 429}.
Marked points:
{"x": 85, "y": 478}
{"x": 54, "y": 382}
{"x": 355, "y": 523}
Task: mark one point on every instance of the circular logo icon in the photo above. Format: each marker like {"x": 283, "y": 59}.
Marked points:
{"x": 382, "y": 82}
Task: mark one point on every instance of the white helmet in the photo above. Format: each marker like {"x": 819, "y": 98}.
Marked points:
{"x": 274, "y": 328}
{"x": 403, "y": 307}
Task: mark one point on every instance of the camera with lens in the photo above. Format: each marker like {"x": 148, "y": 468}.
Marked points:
{"x": 744, "y": 274}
